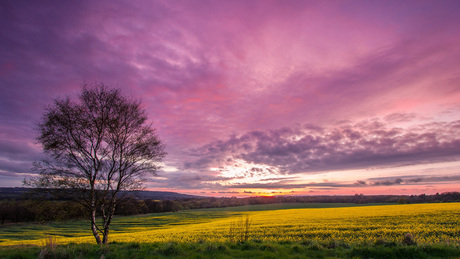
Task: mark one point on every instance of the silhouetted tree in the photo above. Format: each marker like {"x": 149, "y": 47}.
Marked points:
{"x": 98, "y": 144}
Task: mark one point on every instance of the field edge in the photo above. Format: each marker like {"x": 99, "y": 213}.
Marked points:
{"x": 247, "y": 249}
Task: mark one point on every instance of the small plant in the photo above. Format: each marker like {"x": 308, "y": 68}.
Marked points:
{"x": 239, "y": 230}
{"x": 50, "y": 242}
{"x": 409, "y": 239}
{"x": 49, "y": 248}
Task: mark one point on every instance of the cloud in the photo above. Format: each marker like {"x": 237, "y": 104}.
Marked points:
{"x": 228, "y": 192}
{"x": 16, "y": 156}
{"x": 369, "y": 143}
{"x": 188, "y": 180}
{"x": 287, "y": 185}
{"x": 371, "y": 182}
{"x": 414, "y": 179}
{"x": 387, "y": 183}
{"x": 400, "y": 117}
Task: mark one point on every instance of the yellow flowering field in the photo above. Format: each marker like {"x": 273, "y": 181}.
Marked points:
{"x": 428, "y": 223}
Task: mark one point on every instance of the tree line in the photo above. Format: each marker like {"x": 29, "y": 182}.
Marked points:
{"x": 43, "y": 210}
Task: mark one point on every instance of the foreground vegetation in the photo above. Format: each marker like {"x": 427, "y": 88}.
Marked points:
{"x": 409, "y": 231}
{"x": 247, "y": 249}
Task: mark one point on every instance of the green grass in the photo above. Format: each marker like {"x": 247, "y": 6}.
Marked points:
{"x": 250, "y": 249}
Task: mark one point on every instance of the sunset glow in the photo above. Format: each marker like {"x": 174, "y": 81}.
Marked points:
{"x": 251, "y": 97}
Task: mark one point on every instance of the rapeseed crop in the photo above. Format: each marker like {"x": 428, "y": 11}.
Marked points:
{"x": 426, "y": 224}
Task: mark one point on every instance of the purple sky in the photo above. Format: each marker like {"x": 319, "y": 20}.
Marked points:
{"x": 251, "y": 97}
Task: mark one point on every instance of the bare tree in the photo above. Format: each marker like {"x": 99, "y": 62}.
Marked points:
{"x": 98, "y": 145}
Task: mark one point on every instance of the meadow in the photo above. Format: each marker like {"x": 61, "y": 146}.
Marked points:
{"x": 321, "y": 230}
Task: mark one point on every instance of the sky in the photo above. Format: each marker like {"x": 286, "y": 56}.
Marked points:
{"x": 252, "y": 97}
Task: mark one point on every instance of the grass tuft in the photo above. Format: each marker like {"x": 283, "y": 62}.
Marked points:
{"x": 170, "y": 248}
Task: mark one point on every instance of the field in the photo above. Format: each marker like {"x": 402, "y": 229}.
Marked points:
{"x": 340, "y": 226}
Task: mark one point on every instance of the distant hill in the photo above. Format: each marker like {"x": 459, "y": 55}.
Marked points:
{"x": 16, "y": 193}
{"x": 154, "y": 195}
{"x": 20, "y": 193}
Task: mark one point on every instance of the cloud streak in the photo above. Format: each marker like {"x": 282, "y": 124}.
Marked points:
{"x": 307, "y": 149}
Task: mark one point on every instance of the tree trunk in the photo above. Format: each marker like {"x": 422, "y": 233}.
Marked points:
{"x": 93, "y": 223}
{"x": 105, "y": 238}
{"x": 110, "y": 213}
{"x": 105, "y": 234}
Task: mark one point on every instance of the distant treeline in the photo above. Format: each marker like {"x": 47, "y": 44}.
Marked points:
{"x": 29, "y": 210}
{"x": 21, "y": 193}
